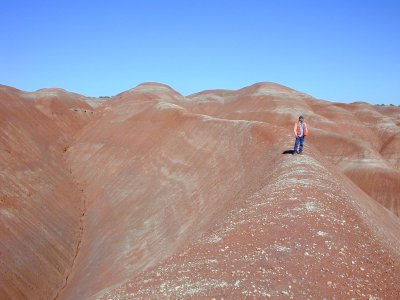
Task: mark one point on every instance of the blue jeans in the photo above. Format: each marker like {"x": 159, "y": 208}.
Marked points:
{"x": 299, "y": 140}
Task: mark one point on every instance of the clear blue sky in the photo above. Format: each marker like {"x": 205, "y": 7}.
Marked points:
{"x": 340, "y": 51}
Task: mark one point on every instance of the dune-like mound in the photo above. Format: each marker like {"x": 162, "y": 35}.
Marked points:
{"x": 153, "y": 195}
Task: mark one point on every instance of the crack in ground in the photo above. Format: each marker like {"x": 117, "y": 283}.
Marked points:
{"x": 79, "y": 243}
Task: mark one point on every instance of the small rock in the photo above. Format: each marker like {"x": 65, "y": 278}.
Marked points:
{"x": 285, "y": 293}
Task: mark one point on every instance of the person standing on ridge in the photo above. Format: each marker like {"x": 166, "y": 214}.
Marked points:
{"x": 300, "y": 131}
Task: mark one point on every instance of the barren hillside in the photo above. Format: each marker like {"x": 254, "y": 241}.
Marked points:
{"x": 153, "y": 195}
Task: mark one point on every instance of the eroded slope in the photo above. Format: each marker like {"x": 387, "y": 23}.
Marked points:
{"x": 40, "y": 205}
{"x": 305, "y": 233}
{"x": 192, "y": 196}
{"x": 156, "y": 177}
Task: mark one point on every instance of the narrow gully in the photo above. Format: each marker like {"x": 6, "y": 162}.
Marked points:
{"x": 79, "y": 243}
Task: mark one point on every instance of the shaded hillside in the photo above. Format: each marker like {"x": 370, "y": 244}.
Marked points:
{"x": 39, "y": 201}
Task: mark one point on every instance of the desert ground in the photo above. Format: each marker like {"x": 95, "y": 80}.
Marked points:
{"x": 150, "y": 194}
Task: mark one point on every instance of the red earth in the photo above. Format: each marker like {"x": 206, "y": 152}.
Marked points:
{"x": 153, "y": 195}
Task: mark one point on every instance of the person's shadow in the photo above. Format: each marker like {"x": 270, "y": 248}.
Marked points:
{"x": 288, "y": 152}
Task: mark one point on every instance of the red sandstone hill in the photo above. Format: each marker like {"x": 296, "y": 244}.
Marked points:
{"x": 153, "y": 195}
